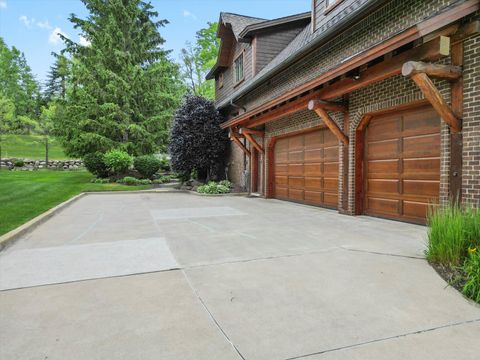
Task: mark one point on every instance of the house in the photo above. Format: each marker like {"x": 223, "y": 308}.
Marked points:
{"x": 364, "y": 106}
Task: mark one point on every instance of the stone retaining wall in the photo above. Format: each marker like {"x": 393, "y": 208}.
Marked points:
{"x": 41, "y": 164}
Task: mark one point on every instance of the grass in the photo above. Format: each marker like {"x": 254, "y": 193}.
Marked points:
{"x": 452, "y": 230}
{"x": 31, "y": 147}
{"x": 26, "y": 194}
{"x": 454, "y": 247}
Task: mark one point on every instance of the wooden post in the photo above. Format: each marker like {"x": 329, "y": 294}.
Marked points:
{"x": 253, "y": 170}
{"x": 432, "y": 94}
{"x": 456, "y": 139}
{"x": 318, "y": 107}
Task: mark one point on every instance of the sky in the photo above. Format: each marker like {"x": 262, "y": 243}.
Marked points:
{"x": 32, "y": 25}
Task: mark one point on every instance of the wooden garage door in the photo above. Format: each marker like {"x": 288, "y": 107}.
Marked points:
{"x": 306, "y": 168}
{"x": 402, "y": 165}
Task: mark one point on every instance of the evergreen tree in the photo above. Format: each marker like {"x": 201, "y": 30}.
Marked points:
{"x": 56, "y": 85}
{"x": 124, "y": 87}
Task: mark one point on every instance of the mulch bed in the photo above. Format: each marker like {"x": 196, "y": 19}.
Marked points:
{"x": 453, "y": 276}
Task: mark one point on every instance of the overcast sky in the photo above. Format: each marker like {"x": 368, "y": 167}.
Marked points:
{"x": 32, "y": 25}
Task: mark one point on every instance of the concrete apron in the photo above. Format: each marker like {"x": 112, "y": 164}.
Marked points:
{"x": 255, "y": 279}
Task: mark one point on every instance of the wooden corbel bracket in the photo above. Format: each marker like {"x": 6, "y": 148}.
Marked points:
{"x": 252, "y": 141}
{"x": 234, "y": 137}
{"x": 420, "y": 72}
{"x": 321, "y": 107}
{"x": 251, "y": 131}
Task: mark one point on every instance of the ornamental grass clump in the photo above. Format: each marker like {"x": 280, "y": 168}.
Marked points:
{"x": 452, "y": 231}
{"x": 471, "y": 268}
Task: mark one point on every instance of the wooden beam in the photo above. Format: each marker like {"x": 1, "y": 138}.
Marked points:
{"x": 448, "y": 72}
{"x": 325, "y": 105}
{"x": 431, "y": 51}
{"x": 252, "y": 131}
{"x": 432, "y": 94}
{"x": 237, "y": 141}
{"x": 252, "y": 141}
{"x": 312, "y": 105}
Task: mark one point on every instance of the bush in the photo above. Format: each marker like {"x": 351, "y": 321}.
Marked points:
{"x": 471, "y": 268}
{"x": 147, "y": 165}
{"x": 117, "y": 161}
{"x": 164, "y": 162}
{"x": 19, "y": 163}
{"x": 213, "y": 188}
{"x": 95, "y": 163}
{"x": 164, "y": 179}
{"x": 452, "y": 231}
{"x": 225, "y": 183}
{"x": 129, "y": 180}
{"x": 100, "y": 181}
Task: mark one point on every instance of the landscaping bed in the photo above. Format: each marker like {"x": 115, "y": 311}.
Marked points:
{"x": 454, "y": 247}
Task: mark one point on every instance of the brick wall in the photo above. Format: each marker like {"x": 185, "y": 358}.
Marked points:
{"x": 471, "y": 122}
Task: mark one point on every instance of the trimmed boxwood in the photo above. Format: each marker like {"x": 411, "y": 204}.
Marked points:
{"x": 95, "y": 163}
{"x": 147, "y": 165}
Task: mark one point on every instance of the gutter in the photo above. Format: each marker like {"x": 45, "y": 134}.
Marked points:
{"x": 325, "y": 36}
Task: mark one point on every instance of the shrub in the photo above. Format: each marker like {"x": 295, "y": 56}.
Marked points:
{"x": 117, "y": 161}
{"x": 226, "y": 183}
{"x": 164, "y": 179}
{"x": 452, "y": 230}
{"x": 198, "y": 143}
{"x": 147, "y": 165}
{"x": 471, "y": 268}
{"x": 95, "y": 163}
{"x": 164, "y": 162}
{"x": 19, "y": 163}
{"x": 144, "y": 182}
{"x": 100, "y": 181}
{"x": 213, "y": 188}
{"x": 129, "y": 180}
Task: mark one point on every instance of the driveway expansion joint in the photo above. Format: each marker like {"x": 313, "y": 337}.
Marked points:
{"x": 384, "y": 339}
{"x": 382, "y": 253}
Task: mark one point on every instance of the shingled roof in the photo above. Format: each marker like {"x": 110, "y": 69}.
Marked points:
{"x": 238, "y": 22}
{"x": 303, "y": 43}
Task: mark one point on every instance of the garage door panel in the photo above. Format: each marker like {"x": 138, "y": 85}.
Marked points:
{"x": 281, "y": 169}
{"x": 384, "y": 129}
{"x": 415, "y": 210}
{"x": 383, "y": 206}
{"x": 391, "y": 166}
{"x": 423, "y": 166}
{"x": 330, "y": 153}
{"x": 313, "y": 169}
{"x": 421, "y": 146}
{"x": 306, "y": 167}
{"x": 330, "y": 199}
{"x": 421, "y": 188}
{"x": 281, "y": 192}
{"x": 313, "y": 140}
{"x": 295, "y": 156}
{"x": 420, "y": 123}
{"x": 295, "y": 143}
{"x": 295, "y": 169}
{"x": 281, "y": 145}
{"x": 315, "y": 155}
{"x": 330, "y": 169}
{"x": 330, "y": 184}
{"x": 402, "y": 165}
{"x": 281, "y": 180}
{"x": 387, "y": 149}
{"x": 384, "y": 186}
{"x": 313, "y": 183}
{"x": 313, "y": 197}
{"x": 295, "y": 194}
{"x": 296, "y": 182}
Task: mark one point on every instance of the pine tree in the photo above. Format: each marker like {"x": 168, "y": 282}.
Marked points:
{"x": 56, "y": 84}
{"x": 124, "y": 88}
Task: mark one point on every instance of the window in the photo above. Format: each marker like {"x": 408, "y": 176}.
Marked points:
{"x": 331, "y": 4}
{"x": 220, "y": 80}
{"x": 238, "y": 68}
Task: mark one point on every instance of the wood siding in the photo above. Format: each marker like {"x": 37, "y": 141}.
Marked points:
{"x": 271, "y": 43}
{"x": 229, "y": 85}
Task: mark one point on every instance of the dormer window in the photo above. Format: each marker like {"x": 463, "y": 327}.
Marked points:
{"x": 220, "y": 80}
{"x": 331, "y": 4}
{"x": 238, "y": 69}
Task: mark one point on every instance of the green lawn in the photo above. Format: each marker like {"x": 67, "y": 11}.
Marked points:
{"x": 26, "y": 194}
{"x": 31, "y": 147}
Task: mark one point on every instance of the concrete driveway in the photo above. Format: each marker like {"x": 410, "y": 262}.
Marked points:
{"x": 179, "y": 276}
